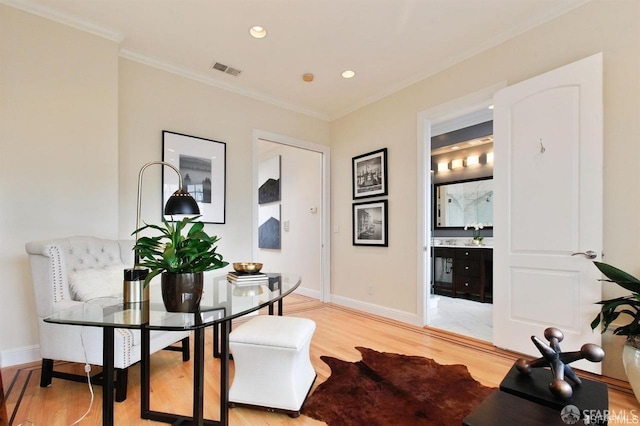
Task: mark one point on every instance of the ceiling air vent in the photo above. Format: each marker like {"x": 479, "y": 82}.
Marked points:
{"x": 226, "y": 69}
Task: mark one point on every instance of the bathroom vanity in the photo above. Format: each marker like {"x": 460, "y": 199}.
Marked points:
{"x": 463, "y": 271}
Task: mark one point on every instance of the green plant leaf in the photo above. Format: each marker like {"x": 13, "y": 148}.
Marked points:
{"x": 173, "y": 251}
{"x": 618, "y": 276}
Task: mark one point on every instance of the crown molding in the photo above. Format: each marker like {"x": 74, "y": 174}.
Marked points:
{"x": 115, "y": 36}
{"x": 183, "y": 72}
{"x": 65, "y": 19}
{"x": 500, "y": 38}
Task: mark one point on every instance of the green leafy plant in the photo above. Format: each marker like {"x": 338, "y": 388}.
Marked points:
{"x": 173, "y": 251}
{"x": 613, "y": 308}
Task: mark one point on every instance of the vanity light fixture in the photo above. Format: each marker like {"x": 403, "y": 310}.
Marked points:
{"x": 348, "y": 73}
{"x": 257, "y": 32}
{"x": 456, "y": 164}
{"x": 443, "y": 167}
{"x": 489, "y": 157}
{"x": 472, "y": 160}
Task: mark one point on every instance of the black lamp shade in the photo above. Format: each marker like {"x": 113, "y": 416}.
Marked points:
{"x": 181, "y": 202}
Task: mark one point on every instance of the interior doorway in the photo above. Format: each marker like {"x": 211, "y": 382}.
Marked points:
{"x": 443, "y": 311}
{"x": 461, "y": 288}
{"x": 298, "y": 215}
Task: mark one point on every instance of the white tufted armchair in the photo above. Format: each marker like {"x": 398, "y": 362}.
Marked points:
{"x": 71, "y": 271}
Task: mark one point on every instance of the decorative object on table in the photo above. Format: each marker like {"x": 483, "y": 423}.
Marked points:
{"x": 393, "y": 389}
{"x": 247, "y": 274}
{"x": 269, "y": 226}
{"x": 534, "y": 387}
{"x": 135, "y": 288}
{"x": 247, "y": 267}
{"x": 610, "y": 312}
{"x": 247, "y": 278}
{"x": 370, "y": 224}
{"x": 477, "y": 232}
{"x": 369, "y": 174}
{"x": 202, "y": 164}
{"x": 553, "y": 357}
{"x": 181, "y": 259}
{"x": 269, "y": 180}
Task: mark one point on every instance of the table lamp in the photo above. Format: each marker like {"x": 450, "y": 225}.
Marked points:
{"x": 180, "y": 203}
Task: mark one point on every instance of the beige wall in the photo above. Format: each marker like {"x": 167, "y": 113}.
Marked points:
{"x": 608, "y": 26}
{"x": 152, "y": 100}
{"x": 78, "y": 122}
{"x": 58, "y": 153}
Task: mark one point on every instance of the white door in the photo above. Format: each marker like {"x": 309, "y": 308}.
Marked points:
{"x": 548, "y": 206}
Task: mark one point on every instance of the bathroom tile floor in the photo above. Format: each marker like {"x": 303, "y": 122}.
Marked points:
{"x": 466, "y": 317}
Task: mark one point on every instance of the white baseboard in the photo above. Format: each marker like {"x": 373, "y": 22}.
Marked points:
{"x": 382, "y": 311}
{"x": 17, "y": 356}
{"x": 315, "y": 294}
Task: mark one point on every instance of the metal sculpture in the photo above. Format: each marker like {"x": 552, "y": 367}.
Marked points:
{"x": 553, "y": 357}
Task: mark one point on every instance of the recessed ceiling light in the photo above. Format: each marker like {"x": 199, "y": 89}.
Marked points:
{"x": 455, "y": 147}
{"x": 490, "y": 107}
{"x": 257, "y": 32}
{"x": 348, "y": 73}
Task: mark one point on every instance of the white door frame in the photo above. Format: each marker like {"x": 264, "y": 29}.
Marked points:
{"x": 325, "y": 268}
{"x": 426, "y": 120}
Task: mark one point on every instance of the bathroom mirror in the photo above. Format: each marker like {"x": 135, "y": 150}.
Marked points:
{"x": 457, "y": 204}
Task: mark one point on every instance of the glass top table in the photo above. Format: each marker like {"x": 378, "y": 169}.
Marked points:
{"x": 221, "y": 302}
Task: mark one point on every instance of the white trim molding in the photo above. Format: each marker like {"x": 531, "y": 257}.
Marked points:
{"x": 65, "y": 19}
{"x": 382, "y": 311}
{"x": 17, "y": 356}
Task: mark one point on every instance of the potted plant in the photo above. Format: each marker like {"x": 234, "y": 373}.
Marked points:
{"x": 181, "y": 259}
{"x": 629, "y": 307}
{"x": 477, "y": 235}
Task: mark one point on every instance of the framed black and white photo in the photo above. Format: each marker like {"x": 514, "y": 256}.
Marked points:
{"x": 369, "y": 174}
{"x": 370, "y": 224}
{"x": 202, "y": 164}
{"x": 269, "y": 180}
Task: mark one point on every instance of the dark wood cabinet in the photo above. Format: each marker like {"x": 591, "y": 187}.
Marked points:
{"x": 471, "y": 272}
{"x": 442, "y": 275}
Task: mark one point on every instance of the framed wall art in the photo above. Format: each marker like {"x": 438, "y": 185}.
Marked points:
{"x": 370, "y": 174}
{"x": 202, "y": 164}
{"x": 269, "y": 180}
{"x": 370, "y": 224}
{"x": 269, "y": 226}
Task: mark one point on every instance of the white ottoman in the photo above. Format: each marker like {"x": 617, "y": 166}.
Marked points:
{"x": 273, "y": 370}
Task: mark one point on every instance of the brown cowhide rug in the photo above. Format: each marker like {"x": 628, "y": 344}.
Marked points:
{"x": 394, "y": 390}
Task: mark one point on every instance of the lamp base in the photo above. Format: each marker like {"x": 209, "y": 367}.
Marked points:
{"x": 133, "y": 288}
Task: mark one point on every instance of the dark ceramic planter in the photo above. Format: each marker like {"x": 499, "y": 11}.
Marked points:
{"x": 182, "y": 292}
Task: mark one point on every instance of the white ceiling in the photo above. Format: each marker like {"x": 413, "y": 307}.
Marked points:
{"x": 389, "y": 43}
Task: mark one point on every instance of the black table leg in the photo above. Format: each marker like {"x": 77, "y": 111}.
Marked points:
{"x": 107, "y": 375}
{"x": 198, "y": 377}
{"x": 145, "y": 373}
{"x": 224, "y": 373}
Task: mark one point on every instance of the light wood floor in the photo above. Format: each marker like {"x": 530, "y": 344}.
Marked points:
{"x": 339, "y": 331}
